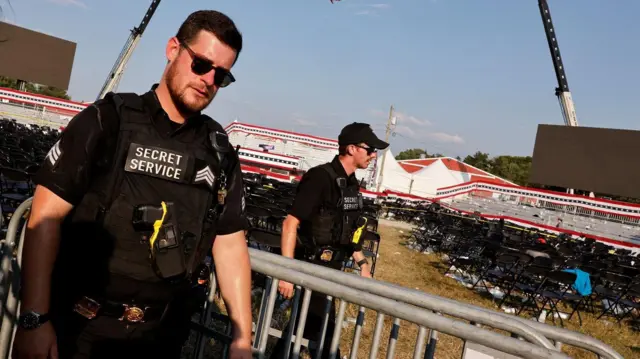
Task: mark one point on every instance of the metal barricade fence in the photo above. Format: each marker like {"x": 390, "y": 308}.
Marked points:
{"x": 530, "y": 330}
{"x": 384, "y": 306}
{"x": 10, "y": 261}
{"x": 528, "y": 339}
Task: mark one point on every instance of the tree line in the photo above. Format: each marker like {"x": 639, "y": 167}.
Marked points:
{"x": 512, "y": 168}
{"x": 35, "y": 88}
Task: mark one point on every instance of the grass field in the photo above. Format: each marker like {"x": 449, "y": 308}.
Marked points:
{"x": 400, "y": 265}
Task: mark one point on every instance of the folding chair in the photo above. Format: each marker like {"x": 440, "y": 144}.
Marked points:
{"x": 558, "y": 289}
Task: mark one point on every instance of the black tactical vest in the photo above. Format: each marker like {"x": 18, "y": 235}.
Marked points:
{"x": 335, "y": 226}
{"x": 146, "y": 169}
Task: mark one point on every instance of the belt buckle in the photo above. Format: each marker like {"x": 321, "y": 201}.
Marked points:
{"x": 326, "y": 255}
{"x": 87, "y": 307}
{"x": 133, "y": 314}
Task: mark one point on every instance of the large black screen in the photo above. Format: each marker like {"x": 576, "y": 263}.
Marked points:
{"x": 35, "y": 57}
{"x": 601, "y": 160}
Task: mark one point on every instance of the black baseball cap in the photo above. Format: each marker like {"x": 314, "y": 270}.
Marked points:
{"x": 358, "y": 132}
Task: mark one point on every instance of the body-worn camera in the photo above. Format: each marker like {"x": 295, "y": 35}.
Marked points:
{"x": 165, "y": 242}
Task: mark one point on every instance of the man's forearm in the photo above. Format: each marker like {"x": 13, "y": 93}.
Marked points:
{"x": 289, "y": 237}
{"x": 233, "y": 270}
{"x": 41, "y": 243}
{"x": 357, "y": 257}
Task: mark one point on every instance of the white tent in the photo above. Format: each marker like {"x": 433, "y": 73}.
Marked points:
{"x": 438, "y": 173}
{"x": 427, "y": 180}
{"x": 394, "y": 178}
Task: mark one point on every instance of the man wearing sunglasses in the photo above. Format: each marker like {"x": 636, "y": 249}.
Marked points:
{"x": 129, "y": 202}
{"x": 327, "y": 210}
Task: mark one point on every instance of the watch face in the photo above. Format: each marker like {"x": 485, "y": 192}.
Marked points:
{"x": 30, "y": 320}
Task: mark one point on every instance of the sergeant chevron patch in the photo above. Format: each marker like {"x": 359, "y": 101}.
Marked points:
{"x": 54, "y": 154}
{"x": 205, "y": 175}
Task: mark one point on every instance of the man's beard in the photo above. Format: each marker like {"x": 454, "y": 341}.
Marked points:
{"x": 178, "y": 97}
{"x": 364, "y": 164}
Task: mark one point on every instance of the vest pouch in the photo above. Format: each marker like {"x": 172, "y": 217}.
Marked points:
{"x": 351, "y": 208}
{"x": 347, "y": 230}
{"x": 167, "y": 254}
{"x": 166, "y": 243}
{"x": 349, "y": 226}
{"x": 322, "y": 229}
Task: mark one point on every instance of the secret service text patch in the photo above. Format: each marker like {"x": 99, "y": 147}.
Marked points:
{"x": 157, "y": 162}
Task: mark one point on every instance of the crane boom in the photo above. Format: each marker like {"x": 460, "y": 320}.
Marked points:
{"x": 113, "y": 79}
{"x": 562, "y": 91}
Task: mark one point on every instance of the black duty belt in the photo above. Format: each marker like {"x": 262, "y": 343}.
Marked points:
{"x": 126, "y": 312}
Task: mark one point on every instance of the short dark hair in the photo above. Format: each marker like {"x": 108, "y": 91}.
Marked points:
{"x": 214, "y": 22}
{"x": 342, "y": 150}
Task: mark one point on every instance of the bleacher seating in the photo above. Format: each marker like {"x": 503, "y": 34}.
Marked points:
{"x": 22, "y": 150}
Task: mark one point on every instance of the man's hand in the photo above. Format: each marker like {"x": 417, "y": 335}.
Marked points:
{"x": 285, "y": 289}
{"x": 35, "y": 343}
{"x": 240, "y": 349}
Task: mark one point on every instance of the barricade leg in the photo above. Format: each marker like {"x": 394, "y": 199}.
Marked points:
{"x": 11, "y": 278}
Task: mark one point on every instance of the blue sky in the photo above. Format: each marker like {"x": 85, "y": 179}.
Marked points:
{"x": 463, "y": 75}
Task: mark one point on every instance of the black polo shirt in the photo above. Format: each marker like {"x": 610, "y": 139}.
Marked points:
{"x": 82, "y": 153}
{"x": 315, "y": 190}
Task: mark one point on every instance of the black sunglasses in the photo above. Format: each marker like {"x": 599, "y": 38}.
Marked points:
{"x": 370, "y": 150}
{"x": 201, "y": 66}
